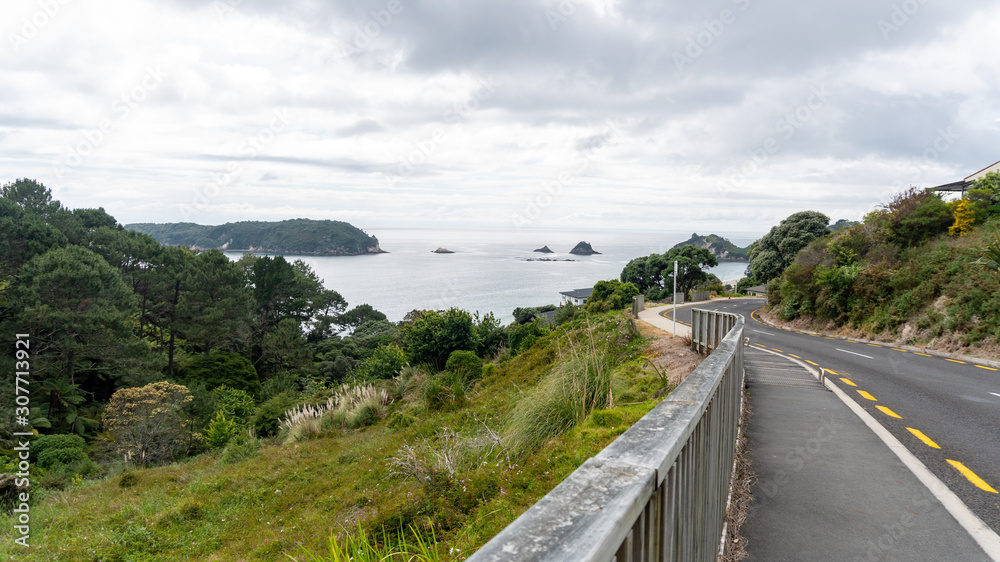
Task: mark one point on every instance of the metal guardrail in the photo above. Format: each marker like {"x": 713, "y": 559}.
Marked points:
{"x": 709, "y": 327}
{"x": 657, "y": 493}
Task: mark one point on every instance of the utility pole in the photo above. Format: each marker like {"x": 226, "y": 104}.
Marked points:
{"x": 675, "y": 298}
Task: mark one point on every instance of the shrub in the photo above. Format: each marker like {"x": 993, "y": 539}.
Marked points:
{"x": 220, "y": 431}
{"x": 266, "y": 419}
{"x": 224, "y": 368}
{"x": 465, "y": 364}
{"x": 576, "y": 385}
{"x": 47, "y": 443}
{"x": 237, "y": 405}
{"x": 384, "y": 363}
{"x": 128, "y": 480}
{"x": 399, "y": 420}
{"x": 144, "y": 422}
{"x": 49, "y": 458}
{"x": 239, "y": 449}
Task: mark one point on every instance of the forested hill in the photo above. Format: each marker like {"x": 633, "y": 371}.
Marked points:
{"x": 296, "y": 236}
{"x": 723, "y": 249}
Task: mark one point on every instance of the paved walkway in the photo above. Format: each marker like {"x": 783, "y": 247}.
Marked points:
{"x": 652, "y": 316}
{"x": 827, "y": 488}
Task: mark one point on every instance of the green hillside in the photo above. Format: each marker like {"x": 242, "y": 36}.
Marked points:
{"x": 723, "y": 249}
{"x": 295, "y": 236}
{"x": 913, "y": 272}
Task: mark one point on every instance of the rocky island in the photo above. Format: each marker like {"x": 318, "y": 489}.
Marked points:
{"x": 304, "y": 237}
{"x": 544, "y": 250}
{"x": 583, "y": 249}
{"x": 723, "y": 249}
{"x": 442, "y": 251}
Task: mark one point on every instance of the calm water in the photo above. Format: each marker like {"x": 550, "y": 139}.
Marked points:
{"x": 488, "y": 271}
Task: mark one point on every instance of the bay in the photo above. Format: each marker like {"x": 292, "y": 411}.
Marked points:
{"x": 489, "y": 271}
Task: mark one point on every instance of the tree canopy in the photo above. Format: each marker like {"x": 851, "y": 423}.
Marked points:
{"x": 775, "y": 251}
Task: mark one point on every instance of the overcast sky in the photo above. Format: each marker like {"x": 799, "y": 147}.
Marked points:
{"x": 721, "y": 116}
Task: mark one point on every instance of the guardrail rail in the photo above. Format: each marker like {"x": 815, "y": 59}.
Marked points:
{"x": 660, "y": 491}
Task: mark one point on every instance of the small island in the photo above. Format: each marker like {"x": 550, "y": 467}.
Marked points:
{"x": 442, "y": 251}
{"x": 583, "y": 249}
{"x": 304, "y": 237}
{"x": 548, "y": 259}
{"x": 544, "y": 250}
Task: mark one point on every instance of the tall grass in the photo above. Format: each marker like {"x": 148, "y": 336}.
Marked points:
{"x": 576, "y": 385}
{"x": 412, "y": 547}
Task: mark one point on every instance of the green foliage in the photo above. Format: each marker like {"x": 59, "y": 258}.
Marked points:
{"x": 465, "y": 364}
{"x": 566, "y": 312}
{"x": 775, "y": 251}
{"x": 611, "y": 295}
{"x": 432, "y": 336}
{"x": 523, "y": 315}
{"x": 384, "y": 363}
{"x": 223, "y": 368}
{"x": 240, "y": 448}
{"x": 490, "y": 335}
{"x": 912, "y": 217}
{"x": 653, "y": 275}
{"x": 296, "y": 236}
{"x": 237, "y": 405}
{"x": 267, "y": 418}
{"x": 576, "y": 386}
{"x": 220, "y": 431}
{"x": 522, "y": 337}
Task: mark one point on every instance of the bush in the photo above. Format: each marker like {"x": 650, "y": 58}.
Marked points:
{"x": 145, "y": 422}
{"x": 237, "y": 405}
{"x": 47, "y": 443}
{"x": 220, "y": 431}
{"x": 223, "y": 368}
{"x": 576, "y": 385}
{"x": 50, "y": 458}
{"x": 384, "y": 363}
{"x": 239, "y": 449}
{"x": 266, "y": 419}
{"x": 465, "y": 364}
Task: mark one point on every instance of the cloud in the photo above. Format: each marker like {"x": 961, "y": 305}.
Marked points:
{"x": 429, "y": 113}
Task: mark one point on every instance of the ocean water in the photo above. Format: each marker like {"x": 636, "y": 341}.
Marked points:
{"x": 489, "y": 271}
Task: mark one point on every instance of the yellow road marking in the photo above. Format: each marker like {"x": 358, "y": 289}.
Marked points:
{"x": 890, "y": 413}
{"x": 923, "y": 354}
{"x": 972, "y": 476}
{"x": 988, "y": 368}
{"x": 814, "y": 335}
{"x": 847, "y": 381}
{"x": 832, "y": 372}
{"x": 955, "y": 361}
{"x": 811, "y": 363}
{"x": 776, "y": 349}
{"x": 761, "y": 345}
{"x": 874, "y": 345}
{"x": 897, "y": 349}
{"x": 868, "y": 396}
{"x": 829, "y": 338}
{"x": 927, "y": 440}
{"x": 793, "y": 355}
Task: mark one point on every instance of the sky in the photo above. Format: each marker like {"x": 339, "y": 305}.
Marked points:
{"x": 723, "y": 116}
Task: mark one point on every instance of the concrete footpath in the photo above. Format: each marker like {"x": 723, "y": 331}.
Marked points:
{"x": 827, "y": 487}
{"x": 652, "y": 316}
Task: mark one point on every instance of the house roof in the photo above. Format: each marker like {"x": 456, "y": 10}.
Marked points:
{"x": 757, "y": 289}
{"x": 994, "y": 167}
{"x": 578, "y": 293}
{"x": 963, "y": 184}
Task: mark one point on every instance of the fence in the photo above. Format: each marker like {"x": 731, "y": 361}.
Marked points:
{"x": 709, "y": 327}
{"x": 659, "y": 492}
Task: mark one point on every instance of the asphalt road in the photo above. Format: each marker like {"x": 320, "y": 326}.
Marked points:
{"x": 946, "y": 412}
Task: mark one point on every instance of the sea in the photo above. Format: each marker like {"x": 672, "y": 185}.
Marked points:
{"x": 490, "y": 271}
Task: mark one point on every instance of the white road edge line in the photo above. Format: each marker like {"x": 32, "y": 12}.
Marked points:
{"x": 853, "y": 353}
{"x": 995, "y": 394}
{"x": 762, "y": 332}
{"x": 988, "y": 540}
